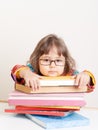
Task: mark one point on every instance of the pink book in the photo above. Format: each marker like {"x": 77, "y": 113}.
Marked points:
{"x": 46, "y": 101}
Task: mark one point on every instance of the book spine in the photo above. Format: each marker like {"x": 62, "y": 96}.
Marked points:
{"x": 35, "y": 120}
{"x": 47, "y": 102}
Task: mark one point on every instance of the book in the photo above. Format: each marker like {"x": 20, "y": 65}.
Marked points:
{"x": 51, "y": 89}
{"x": 52, "y": 122}
{"x": 48, "y": 108}
{"x": 42, "y": 100}
{"x": 43, "y": 110}
{"x": 60, "y": 84}
{"x": 65, "y": 99}
{"x": 39, "y": 112}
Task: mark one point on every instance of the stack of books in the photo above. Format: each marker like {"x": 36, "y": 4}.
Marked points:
{"x": 49, "y": 104}
{"x": 57, "y": 97}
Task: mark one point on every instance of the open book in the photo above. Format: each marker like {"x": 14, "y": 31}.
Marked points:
{"x": 60, "y": 84}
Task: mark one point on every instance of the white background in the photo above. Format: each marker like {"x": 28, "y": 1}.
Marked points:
{"x": 24, "y": 22}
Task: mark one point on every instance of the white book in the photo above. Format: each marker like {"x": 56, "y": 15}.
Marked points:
{"x": 57, "y": 81}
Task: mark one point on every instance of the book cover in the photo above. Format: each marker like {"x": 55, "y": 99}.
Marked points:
{"x": 51, "y": 122}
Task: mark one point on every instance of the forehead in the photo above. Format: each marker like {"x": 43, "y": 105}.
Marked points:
{"x": 54, "y": 50}
{"x": 53, "y": 53}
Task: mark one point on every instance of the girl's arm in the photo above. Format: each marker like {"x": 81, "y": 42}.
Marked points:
{"x": 85, "y": 78}
{"x": 15, "y": 73}
{"x": 25, "y": 75}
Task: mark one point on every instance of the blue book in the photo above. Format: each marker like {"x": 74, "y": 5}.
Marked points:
{"x": 52, "y": 122}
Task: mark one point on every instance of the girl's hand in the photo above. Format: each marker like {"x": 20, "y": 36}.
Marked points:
{"x": 82, "y": 79}
{"x": 31, "y": 79}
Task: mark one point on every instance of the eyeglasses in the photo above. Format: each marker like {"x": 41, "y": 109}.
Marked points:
{"x": 58, "y": 62}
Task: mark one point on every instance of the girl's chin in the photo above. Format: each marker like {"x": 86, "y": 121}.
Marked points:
{"x": 53, "y": 75}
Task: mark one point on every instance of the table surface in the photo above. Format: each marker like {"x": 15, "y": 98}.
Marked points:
{"x": 9, "y": 120}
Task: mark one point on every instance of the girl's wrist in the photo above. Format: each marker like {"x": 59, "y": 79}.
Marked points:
{"x": 17, "y": 72}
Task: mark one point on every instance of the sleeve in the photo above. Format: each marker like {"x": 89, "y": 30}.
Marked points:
{"x": 92, "y": 84}
{"x": 15, "y": 73}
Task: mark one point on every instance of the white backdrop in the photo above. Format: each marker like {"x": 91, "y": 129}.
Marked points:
{"x": 24, "y": 22}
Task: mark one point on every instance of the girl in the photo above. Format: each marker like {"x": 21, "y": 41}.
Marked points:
{"x": 51, "y": 57}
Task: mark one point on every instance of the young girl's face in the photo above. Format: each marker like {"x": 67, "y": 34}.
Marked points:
{"x": 52, "y": 64}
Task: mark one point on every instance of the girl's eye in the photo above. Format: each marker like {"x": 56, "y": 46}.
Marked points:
{"x": 58, "y": 60}
{"x": 46, "y": 60}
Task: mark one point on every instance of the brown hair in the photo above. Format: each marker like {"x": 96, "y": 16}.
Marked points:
{"x": 45, "y": 45}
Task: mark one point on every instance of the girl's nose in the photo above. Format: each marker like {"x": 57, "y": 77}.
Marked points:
{"x": 52, "y": 64}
